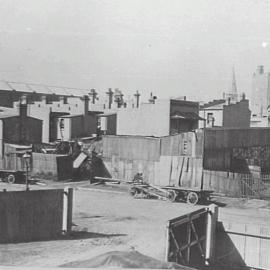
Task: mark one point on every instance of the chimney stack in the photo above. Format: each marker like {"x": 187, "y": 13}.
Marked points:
{"x": 22, "y": 110}
{"x": 110, "y": 94}
{"x": 44, "y": 99}
{"x": 93, "y": 95}
{"x": 62, "y": 100}
{"x": 137, "y": 97}
{"x": 23, "y": 99}
{"x": 152, "y": 98}
{"x": 86, "y": 104}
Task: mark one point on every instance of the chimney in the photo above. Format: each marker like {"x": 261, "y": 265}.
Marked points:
{"x": 62, "y": 100}
{"x": 118, "y": 98}
{"x": 86, "y": 104}
{"x": 260, "y": 69}
{"x": 43, "y": 99}
{"x": 152, "y": 98}
{"x": 93, "y": 95}
{"x": 23, "y": 99}
{"x": 243, "y": 96}
{"x": 137, "y": 97}
{"x": 110, "y": 94}
{"x": 22, "y": 110}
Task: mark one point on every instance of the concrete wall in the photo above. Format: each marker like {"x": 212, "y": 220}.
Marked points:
{"x": 33, "y": 215}
{"x": 147, "y": 120}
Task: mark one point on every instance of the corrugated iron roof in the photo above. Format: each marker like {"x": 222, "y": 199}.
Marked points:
{"x": 4, "y": 86}
{"x": 42, "y": 89}
{"x": 21, "y": 87}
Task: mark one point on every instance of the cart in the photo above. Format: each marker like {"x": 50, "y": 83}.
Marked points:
{"x": 12, "y": 176}
{"x": 189, "y": 195}
{"x": 171, "y": 193}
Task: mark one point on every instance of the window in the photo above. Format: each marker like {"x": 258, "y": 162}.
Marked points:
{"x": 210, "y": 118}
{"x": 61, "y": 124}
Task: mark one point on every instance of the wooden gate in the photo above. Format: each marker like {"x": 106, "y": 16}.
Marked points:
{"x": 190, "y": 238}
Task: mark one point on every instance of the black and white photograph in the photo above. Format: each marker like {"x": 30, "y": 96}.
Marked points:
{"x": 135, "y": 134}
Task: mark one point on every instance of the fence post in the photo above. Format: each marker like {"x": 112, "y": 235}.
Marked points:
{"x": 210, "y": 233}
{"x": 167, "y": 242}
{"x": 67, "y": 210}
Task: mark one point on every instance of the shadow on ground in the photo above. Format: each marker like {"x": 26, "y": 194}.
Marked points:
{"x": 75, "y": 235}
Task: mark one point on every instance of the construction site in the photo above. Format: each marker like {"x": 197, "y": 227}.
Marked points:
{"x": 134, "y": 134}
{"x": 176, "y": 201}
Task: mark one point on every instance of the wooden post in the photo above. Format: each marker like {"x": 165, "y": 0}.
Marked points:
{"x": 211, "y": 233}
{"x": 67, "y": 210}
{"x": 167, "y": 242}
{"x": 70, "y": 209}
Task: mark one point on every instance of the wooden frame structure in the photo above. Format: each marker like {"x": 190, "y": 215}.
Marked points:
{"x": 190, "y": 238}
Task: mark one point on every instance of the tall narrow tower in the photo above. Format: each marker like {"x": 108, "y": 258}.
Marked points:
{"x": 234, "y": 86}
{"x": 232, "y": 96}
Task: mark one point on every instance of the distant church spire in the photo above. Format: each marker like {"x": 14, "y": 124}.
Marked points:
{"x": 234, "y": 86}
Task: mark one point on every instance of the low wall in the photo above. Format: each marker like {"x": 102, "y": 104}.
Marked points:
{"x": 34, "y": 215}
{"x": 58, "y": 167}
{"x": 168, "y": 170}
{"x": 242, "y": 245}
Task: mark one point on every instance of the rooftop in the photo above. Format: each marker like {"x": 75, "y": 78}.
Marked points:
{"x": 213, "y": 103}
{"x": 42, "y": 89}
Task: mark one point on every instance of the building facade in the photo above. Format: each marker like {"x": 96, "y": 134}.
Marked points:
{"x": 158, "y": 118}
{"x": 260, "y": 93}
{"x": 221, "y": 113}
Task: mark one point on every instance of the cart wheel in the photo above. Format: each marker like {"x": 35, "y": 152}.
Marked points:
{"x": 192, "y": 198}
{"x": 11, "y": 179}
{"x": 171, "y": 195}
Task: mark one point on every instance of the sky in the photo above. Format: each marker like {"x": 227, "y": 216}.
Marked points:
{"x": 169, "y": 47}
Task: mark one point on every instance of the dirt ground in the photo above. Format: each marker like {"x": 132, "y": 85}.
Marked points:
{"x": 108, "y": 219}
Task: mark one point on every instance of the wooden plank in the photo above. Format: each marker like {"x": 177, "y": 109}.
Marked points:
{"x": 253, "y": 249}
{"x": 38, "y": 217}
{"x": 164, "y": 170}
